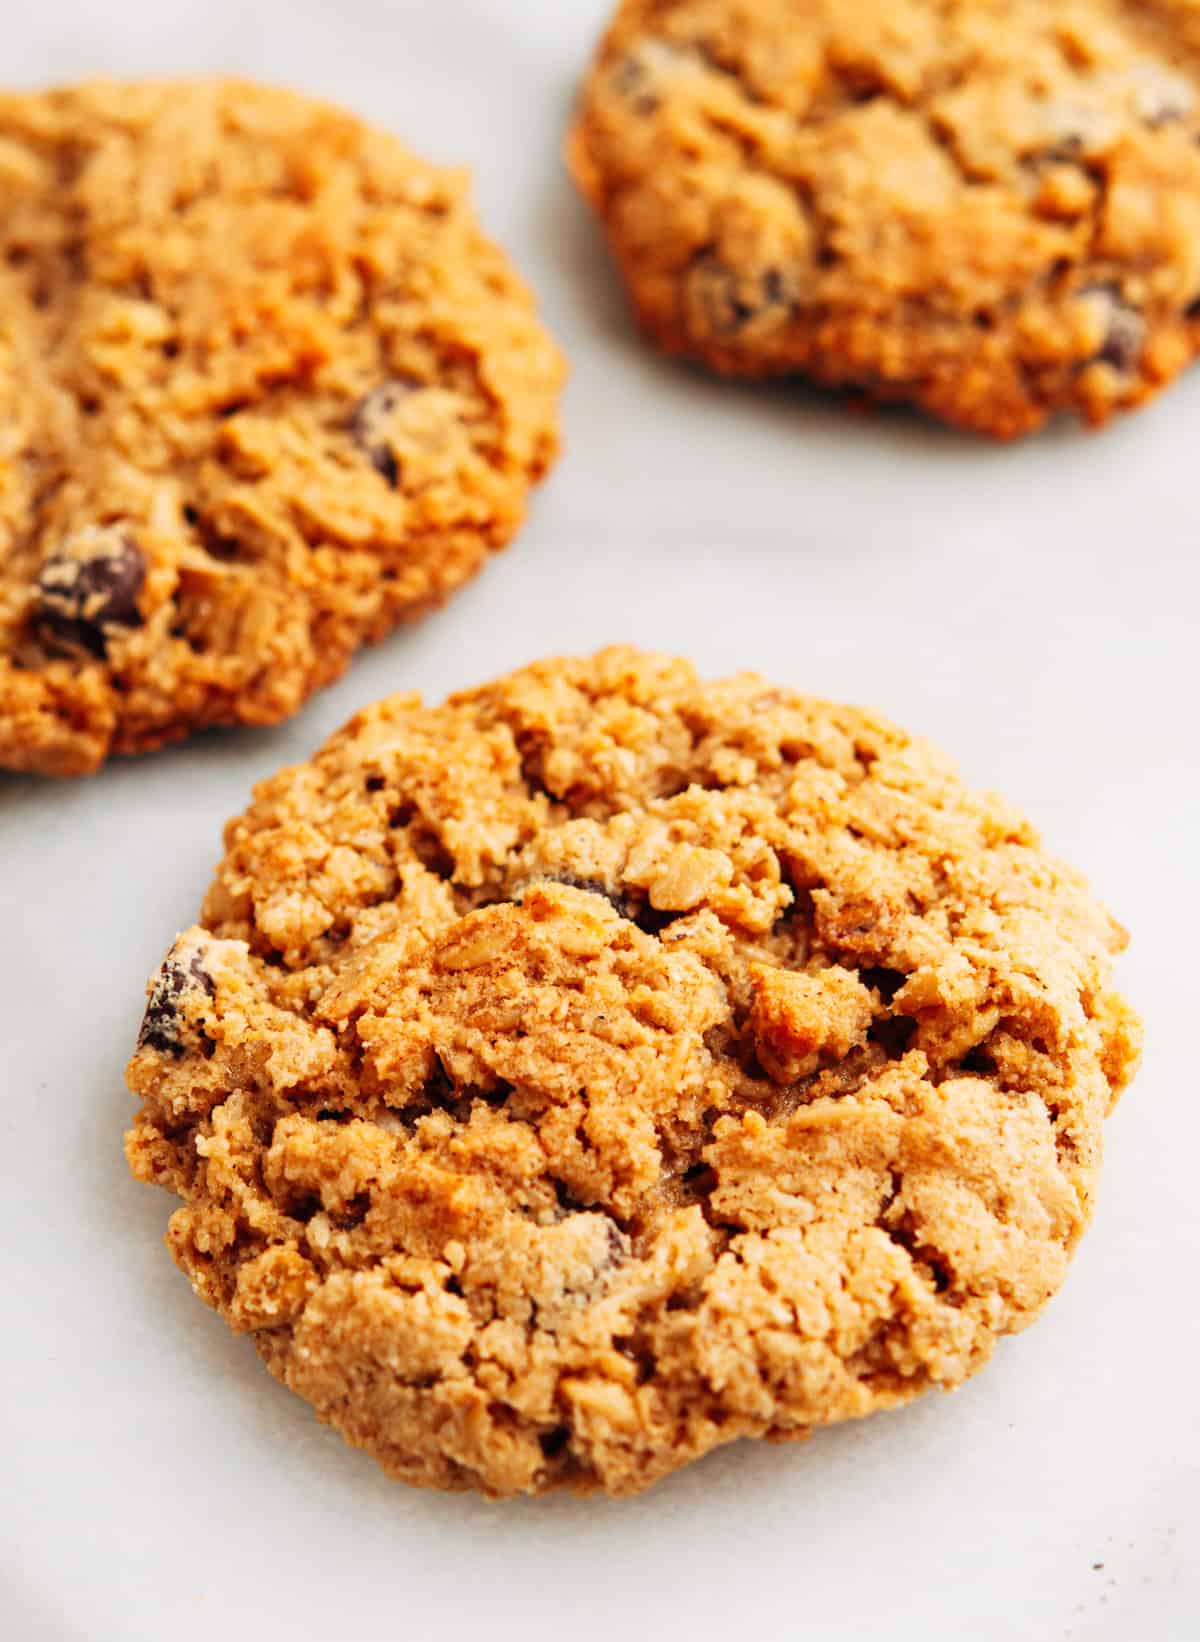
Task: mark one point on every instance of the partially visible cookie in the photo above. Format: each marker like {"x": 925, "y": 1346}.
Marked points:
{"x": 607, "y": 1065}
{"x": 265, "y": 390}
{"x": 988, "y": 208}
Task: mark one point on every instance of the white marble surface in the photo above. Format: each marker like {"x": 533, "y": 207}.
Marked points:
{"x": 1032, "y": 608}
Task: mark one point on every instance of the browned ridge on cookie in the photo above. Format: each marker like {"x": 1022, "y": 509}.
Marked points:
{"x": 607, "y": 1065}
{"x": 988, "y": 208}
{"x": 266, "y": 390}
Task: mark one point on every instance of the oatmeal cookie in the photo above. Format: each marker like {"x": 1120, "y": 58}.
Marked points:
{"x": 606, "y": 1065}
{"x": 265, "y": 390}
{"x": 988, "y": 208}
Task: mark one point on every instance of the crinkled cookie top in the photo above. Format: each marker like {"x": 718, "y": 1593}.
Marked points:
{"x": 606, "y": 1065}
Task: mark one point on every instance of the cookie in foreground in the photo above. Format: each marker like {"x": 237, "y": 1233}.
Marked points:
{"x": 988, "y": 208}
{"x": 266, "y": 390}
{"x": 606, "y": 1065}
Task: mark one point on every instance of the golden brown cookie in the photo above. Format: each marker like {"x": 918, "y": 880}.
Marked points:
{"x": 265, "y": 390}
{"x": 607, "y": 1065}
{"x": 989, "y": 208}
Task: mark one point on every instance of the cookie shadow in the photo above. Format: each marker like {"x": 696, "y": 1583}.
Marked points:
{"x": 213, "y": 750}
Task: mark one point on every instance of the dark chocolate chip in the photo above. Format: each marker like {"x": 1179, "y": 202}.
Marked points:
{"x": 88, "y": 594}
{"x": 1164, "y": 99}
{"x": 1165, "y": 115}
{"x": 371, "y": 424}
{"x": 1123, "y": 344}
{"x": 727, "y": 300}
{"x": 720, "y": 295}
{"x": 1067, "y": 150}
{"x": 637, "y": 78}
{"x": 553, "y": 1442}
{"x": 647, "y": 918}
{"x": 652, "y": 922}
{"x": 616, "y": 1250}
{"x": 622, "y": 905}
{"x": 631, "y": 82}
{"x": 1125, "y": 330}
{"x": 160, "y": 1024}
{"x": 1074, "y": 132}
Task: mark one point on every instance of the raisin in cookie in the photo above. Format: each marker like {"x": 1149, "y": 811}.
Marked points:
{"x": 265, "y": 390}
{"x": 990, "y": 208}
{"x": 606, "y": 1065}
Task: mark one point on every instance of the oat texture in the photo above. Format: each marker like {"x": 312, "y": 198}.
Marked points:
{"x": 989, "y": 208}
{"x": 265, "y": 390}
{"x": 607, "y": 1065}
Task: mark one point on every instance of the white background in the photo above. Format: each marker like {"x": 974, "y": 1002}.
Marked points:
{"x": 1033, "y": 608}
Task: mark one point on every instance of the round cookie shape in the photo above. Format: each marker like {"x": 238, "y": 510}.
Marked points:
{"x": 607, "y": 1065}
{"x": 987, "y": 208}
{"x": 266, "y": 390}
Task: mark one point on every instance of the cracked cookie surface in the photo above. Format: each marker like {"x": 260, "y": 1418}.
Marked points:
{"x": 266, "y": 390}
{"x": 988, "y": 208}
{"x": 606, "y": 1065}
